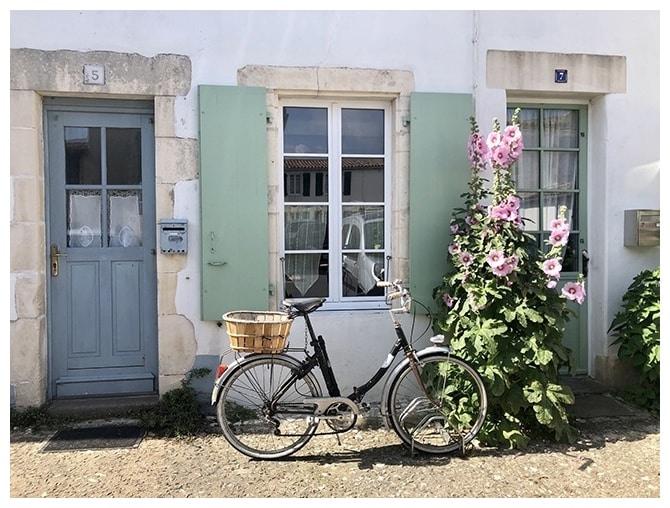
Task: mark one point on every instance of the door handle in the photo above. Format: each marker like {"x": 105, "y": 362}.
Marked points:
{"x": 585, "y": 263}
{"x": 54, "y": 259}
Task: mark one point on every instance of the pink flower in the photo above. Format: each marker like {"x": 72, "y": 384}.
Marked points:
{"x": 465, "y": 258}
{"x": 495, "y": 258}
{"x": 453, "y": 248}
{"x": 559, "y": 237}
{"x": 512, "y": 261}
{"x": 493, "y": 140}
{"x": 574, "y": 291}
{"x": 453, "y": 227}
{"x": 552, "y": 267}
{"x": 448, "y": 300}
{"x": 503, "y": 270}
{"x": 478, "y": 151}
{"x": 551, "y": 284}
{"x": 513, "y": 203}
{"x": 512, "y": 133}
{"x": 501, "y": 155}
{"x": 559, "y": 223}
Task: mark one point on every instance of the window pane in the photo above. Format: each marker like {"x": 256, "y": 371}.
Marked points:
{"x": 305, "y": 130}
{"x": 363, "y": 131}
{"x": 306, "y": 275}
{"x": 124, "y": 156}
{"x": 560, "y": 128}
{"x": 363, "y": 179}
{"x": 305, "y": 228}
{"x": 305, "y": 179}
{"x": 363, "y": 254}
{"x": 84, "y": 219}
{"x": 559, "y": 170}
{"x": 82, "y": 156}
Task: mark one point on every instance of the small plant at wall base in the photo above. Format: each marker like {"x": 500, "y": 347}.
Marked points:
{"x": 499, "y": 306}
{"x": 637, "y": 331}
{"x": 178, "y": 413}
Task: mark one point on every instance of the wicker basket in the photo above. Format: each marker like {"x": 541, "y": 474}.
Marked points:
{"x": 257, "y": 331}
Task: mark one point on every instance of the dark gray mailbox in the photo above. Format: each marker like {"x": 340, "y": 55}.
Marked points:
{"x": 642, "y": 228}
{"x": 174, "y": 236}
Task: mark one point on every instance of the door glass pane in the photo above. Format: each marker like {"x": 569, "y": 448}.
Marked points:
{"x": 559, "y": 170}
{"x": 84, "y": 219}
{"x": 125, "y": 218}
{"x": 529, "y": 123}
{"x": 526, "y": 172}
{"x": 363, "y": 179}
{"x": 560, "y": 128}
{"x": 124, "y": 156}
{"x": 82, "y": 156}
{"x": 552, "y": 201}
{"x": 305, "y": 130}
{"x": 363, "y": 131}
{"x": 305, "y": 179}
{"x": 529, "y": 210}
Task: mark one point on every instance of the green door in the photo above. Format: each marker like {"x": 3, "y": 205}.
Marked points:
{"x": 552, "y": 173}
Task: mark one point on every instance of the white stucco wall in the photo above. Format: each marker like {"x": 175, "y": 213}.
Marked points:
{"x": 446, "y": 52}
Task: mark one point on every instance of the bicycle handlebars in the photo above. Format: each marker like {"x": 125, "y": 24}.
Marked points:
{"x": 399, "y": 292}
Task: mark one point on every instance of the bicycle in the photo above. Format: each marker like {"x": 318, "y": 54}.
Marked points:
{"x": 269, "y": 405}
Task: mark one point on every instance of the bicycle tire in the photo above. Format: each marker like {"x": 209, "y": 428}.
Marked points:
{"x": 244, "y": 414}
{"x": 453, "y": 420}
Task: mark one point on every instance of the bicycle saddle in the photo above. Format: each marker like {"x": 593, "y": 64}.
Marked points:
{"x": 304, "y": 306}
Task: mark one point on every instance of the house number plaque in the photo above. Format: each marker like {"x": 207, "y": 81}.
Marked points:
{"x": 94, "y": 75}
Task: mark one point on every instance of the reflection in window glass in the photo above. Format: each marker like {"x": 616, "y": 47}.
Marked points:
{"x": 363, "y": 131}
{"x": 82, "y": 156}
{"x": 305, "y": 130}
{"x": 124, "y": 156}
{"x": 363, "y": 179}
{"x": 340, "y": 148}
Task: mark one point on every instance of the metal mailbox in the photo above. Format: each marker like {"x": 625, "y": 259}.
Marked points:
{"x": 174, "y": 236}
{"x": 642, "y": 228}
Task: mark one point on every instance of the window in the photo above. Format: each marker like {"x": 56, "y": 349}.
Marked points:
{"x": 548, "y": 173}
{"x": 335, "y": 210}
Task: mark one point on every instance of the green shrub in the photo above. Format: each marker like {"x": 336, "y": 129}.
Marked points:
{"x": 35, "y": 418}
{"x": 178, "y": 413}
{"x": 637, "y": 331}
{"x": 499, "y": 304}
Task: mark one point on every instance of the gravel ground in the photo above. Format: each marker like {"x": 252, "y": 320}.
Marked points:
{"x": 615, "y": 457}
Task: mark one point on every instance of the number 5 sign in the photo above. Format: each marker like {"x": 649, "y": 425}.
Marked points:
{"x": 94, "y": 75}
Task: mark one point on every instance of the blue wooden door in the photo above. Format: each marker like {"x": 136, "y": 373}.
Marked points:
{"x": 101, "y": 254}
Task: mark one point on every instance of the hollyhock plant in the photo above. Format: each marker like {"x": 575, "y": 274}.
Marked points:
{"x": 500, "y": 304}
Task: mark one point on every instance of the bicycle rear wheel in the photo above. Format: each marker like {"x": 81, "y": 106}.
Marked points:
{"x": 449, "y": 415}
{"x": 258, "y": 421}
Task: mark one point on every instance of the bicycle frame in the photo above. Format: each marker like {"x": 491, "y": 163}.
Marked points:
{"x": 319, "y": 359}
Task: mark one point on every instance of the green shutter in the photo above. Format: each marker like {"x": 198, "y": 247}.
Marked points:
{"x": 439, "y": 174}
{"x": 234, "y": 199}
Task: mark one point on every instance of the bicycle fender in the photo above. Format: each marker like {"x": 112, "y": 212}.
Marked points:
{"x": 396, "y": 372}
{"x": 232, "y": 367}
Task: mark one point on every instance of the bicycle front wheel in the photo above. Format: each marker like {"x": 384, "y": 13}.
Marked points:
{"x": 261, "y": 412}
{"x": 444, "y": 417}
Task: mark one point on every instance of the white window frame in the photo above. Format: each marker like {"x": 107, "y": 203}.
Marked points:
{"x": 335, "y": 203}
